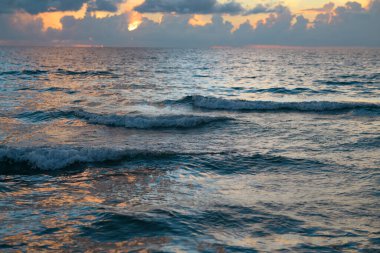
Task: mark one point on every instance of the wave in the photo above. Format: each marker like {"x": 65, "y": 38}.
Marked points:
{"x": 371, "y": 80}
{"x": 370, "y": 76}
{"x": 50, "y": 89}
{"x": 281, "y": 90}
{"x": 127, "y": 121}
{"x": 235, "y": 163}
{"x": 36, "y": 72}
{"x": 27, "y": 72}
{"x": 61, "y": 157}
{"x": 54, "y": 158}
{"x": 214, "y": 103}
{"x": 201, "y": 76}
{"x": 346, "y": 82}
{"x": 148, "y": 122}
{"x": 85, "y": 73}
{"x": 373, "y": 76}
{"x": 40, "y": 116}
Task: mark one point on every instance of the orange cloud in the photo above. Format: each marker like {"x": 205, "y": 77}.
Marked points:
{"x": 135, "y": 20}
{"x": 200, "y": 20}
{"x": 53, "y": 19}
{"x": 129, "y": 5}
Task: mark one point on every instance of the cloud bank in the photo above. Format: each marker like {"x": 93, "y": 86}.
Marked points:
{"x": 347, "y": 25}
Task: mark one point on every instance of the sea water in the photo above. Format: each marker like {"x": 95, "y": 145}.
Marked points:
{"x": 189, "y": 150}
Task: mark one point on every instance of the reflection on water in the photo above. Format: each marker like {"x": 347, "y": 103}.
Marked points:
{"x": 153, "y": 150}
{"x": 163, "y": 206}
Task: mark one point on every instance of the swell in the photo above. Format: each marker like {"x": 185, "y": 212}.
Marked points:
{"x": 214, "y": 103}
{"x": 127, "y": 121}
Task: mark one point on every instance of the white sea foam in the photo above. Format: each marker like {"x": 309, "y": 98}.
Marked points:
{"x": 53, "y": 158}
{"x": 147, "y": 122}
{"x": 316, "y": 106}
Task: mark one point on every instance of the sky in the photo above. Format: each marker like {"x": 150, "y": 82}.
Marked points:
{"x": 190, "y": 23}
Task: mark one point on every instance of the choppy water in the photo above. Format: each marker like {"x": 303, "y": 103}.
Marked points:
{"x": 218, "y": 150}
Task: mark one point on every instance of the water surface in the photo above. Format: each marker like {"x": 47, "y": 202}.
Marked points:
{"x": 193, "y": 150}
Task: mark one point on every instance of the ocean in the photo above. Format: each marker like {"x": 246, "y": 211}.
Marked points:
{"x": 189, "y": 150}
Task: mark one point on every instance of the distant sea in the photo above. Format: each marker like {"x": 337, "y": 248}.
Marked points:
{"x": 189, "y": 150}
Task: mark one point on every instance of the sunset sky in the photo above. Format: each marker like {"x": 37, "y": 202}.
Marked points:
{"x": 190, "y": 23}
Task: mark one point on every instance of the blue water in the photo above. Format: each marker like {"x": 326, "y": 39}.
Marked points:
{"x": 189, "y": 150}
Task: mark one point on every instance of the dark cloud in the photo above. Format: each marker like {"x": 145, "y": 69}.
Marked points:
{"x": 190, "y": 7}
{"x": 35, "y": 7}
{"x": 104, "y": 5}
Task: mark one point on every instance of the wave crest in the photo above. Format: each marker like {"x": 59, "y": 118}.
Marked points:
{"x": 54, "y": 158}
{"x": 127, "y": 121}
{"x": 214, "y": 103}
{"x": 147, "y": 122}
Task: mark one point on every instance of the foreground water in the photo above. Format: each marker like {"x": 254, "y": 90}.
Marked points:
{"x": 227, "y": 150}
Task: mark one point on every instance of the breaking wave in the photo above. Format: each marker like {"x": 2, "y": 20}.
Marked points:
{"x": 65, "y": 156}
{"x": 148, "y": 122}
{"x": 214, "y": 103}
{"x": 54, "y": 158}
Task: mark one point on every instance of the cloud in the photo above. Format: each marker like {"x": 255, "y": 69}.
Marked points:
{"x": 347, "y": 25}
{"x": 178, "y": 33}
{"x": 189, "y": 7}
{"x": 173, "y": 31}
{"x": 21, "y": 28}
{"x": 325, "y": 8}
{"x": 104, "y": 5}
{"x": 35, "y": 7}
{"x": 261, "y": 8}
